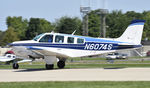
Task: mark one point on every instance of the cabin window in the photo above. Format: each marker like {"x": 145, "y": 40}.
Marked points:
{"x": 59, "y": 39}
{"x": 79, "y": 40}
{"x": 37, "y": 37}
{"x": 47, "y": 38}
{"x": 70, "y": 40}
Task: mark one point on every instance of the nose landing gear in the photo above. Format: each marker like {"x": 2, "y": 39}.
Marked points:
{"x": 15, "y": 66}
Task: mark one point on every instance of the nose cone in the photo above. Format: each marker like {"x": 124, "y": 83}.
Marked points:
{"x": 11, "y": 44}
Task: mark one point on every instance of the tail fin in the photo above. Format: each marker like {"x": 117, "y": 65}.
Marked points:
{"x": 133, "y": 33}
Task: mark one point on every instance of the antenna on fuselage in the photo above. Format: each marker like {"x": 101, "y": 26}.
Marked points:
{"x": 52, "y": 32}
{"x": 74, "y": 32}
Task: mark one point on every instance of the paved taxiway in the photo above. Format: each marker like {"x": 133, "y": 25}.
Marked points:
{"x": 96, "y": 74}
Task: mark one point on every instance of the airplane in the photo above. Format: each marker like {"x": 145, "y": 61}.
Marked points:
{"x": 57, "y": 47}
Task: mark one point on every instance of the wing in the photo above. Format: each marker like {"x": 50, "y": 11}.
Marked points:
{"x": 6, "y": 59}
{"x": 18, "y": 59}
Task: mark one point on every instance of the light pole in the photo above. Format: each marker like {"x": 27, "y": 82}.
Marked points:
{"x": 103, "y": 13}
{"x": 84, "y": 13}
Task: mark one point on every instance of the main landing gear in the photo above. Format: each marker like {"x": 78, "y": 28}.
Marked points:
{"x": 60, "y": 64}
{"x": 49, "y": 66}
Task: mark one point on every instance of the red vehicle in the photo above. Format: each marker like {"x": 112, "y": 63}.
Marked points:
{"x": 148, "y": 53}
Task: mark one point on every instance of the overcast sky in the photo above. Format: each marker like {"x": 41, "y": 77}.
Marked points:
{"x": 54, "y": 9}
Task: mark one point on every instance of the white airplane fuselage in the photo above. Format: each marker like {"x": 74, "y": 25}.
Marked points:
{"x": 88, "y": 48}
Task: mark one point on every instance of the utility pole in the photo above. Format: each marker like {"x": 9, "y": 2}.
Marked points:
{"x": 103, "y": 13}
{"x": 84, "y": 13}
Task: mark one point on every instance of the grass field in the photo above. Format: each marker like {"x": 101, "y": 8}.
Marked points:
{"x": 75, "y": 65}
{"x": 94, "y": 84}
{"x": 87, "y": 63}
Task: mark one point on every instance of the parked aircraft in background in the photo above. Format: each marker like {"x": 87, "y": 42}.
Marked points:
{"x": 53, "y": 46}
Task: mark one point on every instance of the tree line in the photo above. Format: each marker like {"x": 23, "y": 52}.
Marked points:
{"x": 116, "y": 21}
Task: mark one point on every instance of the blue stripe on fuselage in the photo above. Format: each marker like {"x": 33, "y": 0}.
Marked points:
{"x": 86, "y": 46}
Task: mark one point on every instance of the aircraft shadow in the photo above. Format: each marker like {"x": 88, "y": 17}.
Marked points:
{"x": 36, "y": 69}
{"x": 115, "y": 68}
{"x": 43, "y": 69}
{"x": 30, "y": 70}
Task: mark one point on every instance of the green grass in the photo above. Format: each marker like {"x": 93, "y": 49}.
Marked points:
{"x": 76, "y": 65}
{"x": 106, "y": 65}
{"x": 85, "y": 63}
{"x": 86, "y": 84}
{"x": 21, "y": 66}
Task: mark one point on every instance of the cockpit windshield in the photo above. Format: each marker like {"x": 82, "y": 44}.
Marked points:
{"x": 37, "y": 37}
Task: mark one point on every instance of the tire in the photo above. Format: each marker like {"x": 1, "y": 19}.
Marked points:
{"x": 61, "y": 64}
{"x": 15, "y": 65}
{"x": 49, "y": 66}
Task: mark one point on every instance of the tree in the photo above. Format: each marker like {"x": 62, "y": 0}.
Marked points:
{"x": 9, "y": 36}
{"x": 94, "y": 24}
{"x": 68, "y": 25}
{"x": 1, "y": 37}
{"x": 38, "y": 26}
{"x": 19, "y": 24}
{"x": 146, "y": 33}
{"x": 117, "y": 22}
{"x": 133, "y": 15}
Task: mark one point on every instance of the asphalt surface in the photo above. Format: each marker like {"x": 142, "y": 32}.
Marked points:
{"x": 95, "y": 74}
